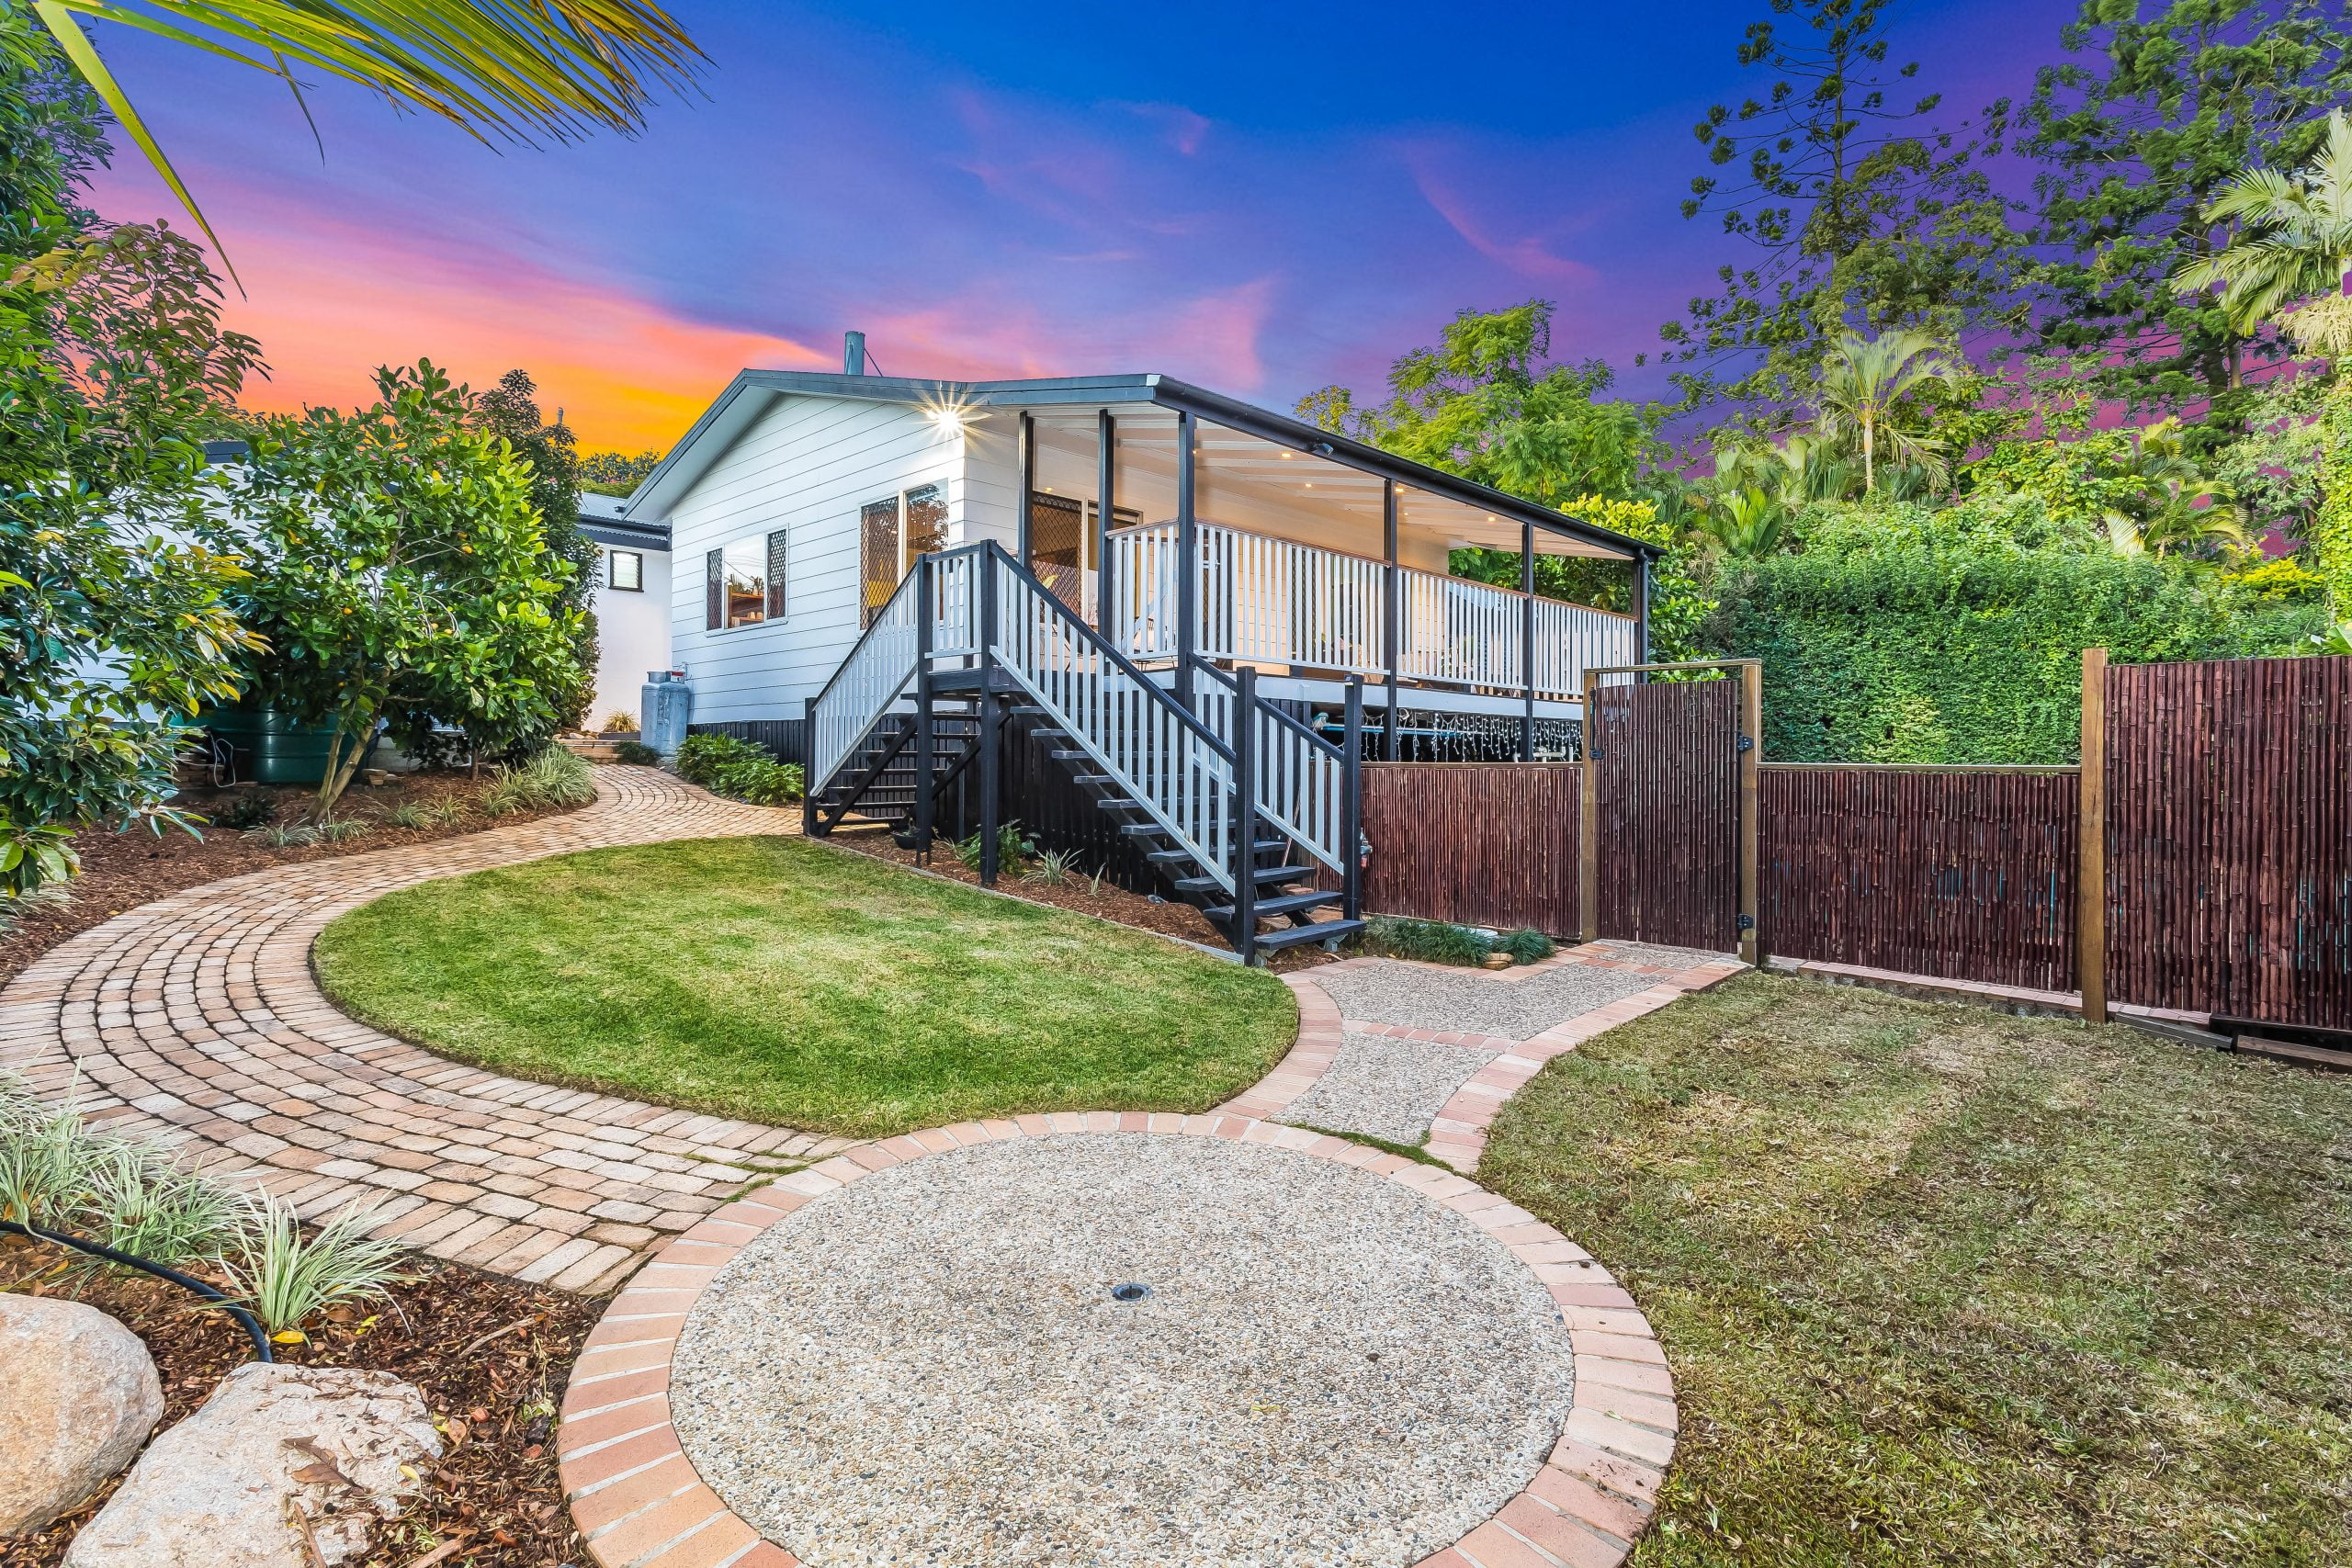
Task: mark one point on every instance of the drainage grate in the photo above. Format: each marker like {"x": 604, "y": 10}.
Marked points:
{"x": 1129, "y": 1293}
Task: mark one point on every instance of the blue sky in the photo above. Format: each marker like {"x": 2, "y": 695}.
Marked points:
{"x": 1265, "y": 201}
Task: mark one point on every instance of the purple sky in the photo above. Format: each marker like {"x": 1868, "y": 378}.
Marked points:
{"x": 1262, "y": 205}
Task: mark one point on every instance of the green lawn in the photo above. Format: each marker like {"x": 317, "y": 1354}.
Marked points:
{"x": 785, "y": 982}
{"x": 1941, "y": 1286}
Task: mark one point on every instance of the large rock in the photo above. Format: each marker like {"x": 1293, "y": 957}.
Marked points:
{"x": 215, "y": 1491}
{"x": 78, "y": 1395}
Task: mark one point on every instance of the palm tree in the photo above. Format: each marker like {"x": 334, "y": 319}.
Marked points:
{"x": 1862, "y": 380}
{"x": 2297, "y": 237}
{"x": 2178, "y": 507}
{"x": 517, "y": 68}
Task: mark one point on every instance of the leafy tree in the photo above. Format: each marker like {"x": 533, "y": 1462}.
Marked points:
{"x": 1486, "y": 405}
{"x": 615, "y": 473}
{"x": 1864, "y": 385}
{"x": 1860, "y": 216}
{"x": 2137, "y": 138}
{"x": 554, "y": 69}
{"x": 399, "y": 571}
{"x": 113, "y": 628}
{"x": 511, "y": 412}
{"x": 1745, "y": 523}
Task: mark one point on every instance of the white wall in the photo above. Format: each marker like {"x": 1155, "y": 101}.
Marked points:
{"x": 805, "y": 465}
{"x": 632, "y": 633}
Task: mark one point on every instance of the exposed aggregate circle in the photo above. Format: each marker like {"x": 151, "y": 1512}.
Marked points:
{"x": 929, "y": 1367}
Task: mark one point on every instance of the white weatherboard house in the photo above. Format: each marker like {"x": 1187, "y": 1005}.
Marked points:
{"x": 1154, "y": 582}
{"x": 631, "y": 602}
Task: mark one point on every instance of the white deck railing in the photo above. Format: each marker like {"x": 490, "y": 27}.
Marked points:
{"x": 1265, "y": 601}
{"x": 1299, "y": 776}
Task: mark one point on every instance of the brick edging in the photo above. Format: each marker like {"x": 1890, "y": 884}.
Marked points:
{"x": 638, "y": 1502}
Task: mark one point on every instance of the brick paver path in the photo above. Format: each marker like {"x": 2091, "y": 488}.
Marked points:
{"x": 195, "y": 1018}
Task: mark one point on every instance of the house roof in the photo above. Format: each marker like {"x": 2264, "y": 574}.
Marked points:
{"x": 751, "y": 391}
{"x": 605, "y": 519}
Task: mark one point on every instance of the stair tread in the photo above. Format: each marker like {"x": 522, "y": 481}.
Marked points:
{"x": 1283, "y": 904}
{"x": 1299, "y": 936}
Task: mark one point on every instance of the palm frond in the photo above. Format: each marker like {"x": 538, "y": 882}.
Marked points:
{"x": 520, "y": 70}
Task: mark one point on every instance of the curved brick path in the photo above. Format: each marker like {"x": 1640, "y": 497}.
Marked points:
{"x": 196, "y": 1017}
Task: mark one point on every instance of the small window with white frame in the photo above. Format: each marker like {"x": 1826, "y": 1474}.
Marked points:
{"x": 624, "y": 571}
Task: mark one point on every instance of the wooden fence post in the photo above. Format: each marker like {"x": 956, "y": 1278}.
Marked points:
{"x": 1751, "y": 758}
{"x": 1588, "y": 821}
{"x": 2090, "y": 877}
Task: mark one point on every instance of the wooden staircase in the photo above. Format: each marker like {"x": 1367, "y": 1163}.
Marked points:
{"x": 1182, "y": 782}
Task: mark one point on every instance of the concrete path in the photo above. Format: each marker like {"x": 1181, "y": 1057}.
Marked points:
{"x": 196, "y": 1017}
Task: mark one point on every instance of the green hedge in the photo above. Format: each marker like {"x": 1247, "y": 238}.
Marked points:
{"x": 1905, "y": 652}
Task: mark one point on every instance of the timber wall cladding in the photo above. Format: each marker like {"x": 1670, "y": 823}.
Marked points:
{"x": 1666, "y": 760}
{"x": 1964, "y": 873}
{"x": 1478, "y": 844}
{"x": 2228, "y": 800}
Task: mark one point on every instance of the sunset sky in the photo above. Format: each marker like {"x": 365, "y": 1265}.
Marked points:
{"x": 1262, "y": 204}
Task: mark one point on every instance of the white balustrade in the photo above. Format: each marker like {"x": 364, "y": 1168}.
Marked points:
{"x": 1140, "y": 620}
{"x": 1273, "y": 601}
{"x": 867, "y": 685}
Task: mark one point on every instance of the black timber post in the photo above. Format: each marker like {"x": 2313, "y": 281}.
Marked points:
{"x": 812, "y": 784}
{"x": 1351, "y": 805}
{"x": 1106, "y": 435}
{"x": 1642, "y": 607}
{"x": 1392, "y": 617}
{"x": 1188, "y": 585}
{"x": 992, "y": 758}
{"x": 1245, "y": 815}
{"x": 1027, "y": 486}
{"x": 925, "y": 781}
{"x": 1527, "y": 638}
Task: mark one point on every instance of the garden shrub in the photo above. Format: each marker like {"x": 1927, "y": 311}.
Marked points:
{"x": 637, "y": 754}
{"x": 1904, "y": 636}
{"x": 728, "y": 765}
{"x": 1525, "y": 946}
{"x": 1430, "y": 942}
{"x": 553, "y": 778}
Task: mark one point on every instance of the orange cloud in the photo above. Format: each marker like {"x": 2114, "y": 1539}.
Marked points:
{"x": 626, "y": 373}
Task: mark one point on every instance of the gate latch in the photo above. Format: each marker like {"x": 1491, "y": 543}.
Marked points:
{"x": 1748, "y": 743}
{"x": 1745, "y": 923}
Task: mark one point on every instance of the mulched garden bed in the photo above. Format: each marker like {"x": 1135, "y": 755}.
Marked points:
{"x": 492, "y": 1357}
{"x": 122, "y": 871}
{"x": 1112, "y": 903}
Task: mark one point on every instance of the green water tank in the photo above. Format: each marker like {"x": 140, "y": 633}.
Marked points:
{"x": 272, "y": 746}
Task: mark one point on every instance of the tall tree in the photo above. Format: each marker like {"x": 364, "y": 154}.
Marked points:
{"x": 1859, "y": 213}
{"x": 1864, "y": 383}
{"x": 511, "y": 412}
{"x": 2164, "y": 106}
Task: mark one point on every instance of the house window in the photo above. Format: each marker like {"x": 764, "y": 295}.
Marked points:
{"x": 891, "y": 532}
{"x": 744, "y": 582}
{"x": 624, "y": 571}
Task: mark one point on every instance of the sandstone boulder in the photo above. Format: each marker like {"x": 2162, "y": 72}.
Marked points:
{"x": 221, "y": 1489}
{"x": 80, "y": 1395}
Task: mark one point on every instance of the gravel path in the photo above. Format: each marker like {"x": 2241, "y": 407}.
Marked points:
{"x": 1419, "y": 996}
{"x": 927, "y": 1367}
{"x": 1663, "y": 957}
{"x": 1386, "y": 1087}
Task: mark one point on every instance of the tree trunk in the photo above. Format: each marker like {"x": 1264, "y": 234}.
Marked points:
{"x": 357, "y": 730}
{"x": 1869, "y": 450}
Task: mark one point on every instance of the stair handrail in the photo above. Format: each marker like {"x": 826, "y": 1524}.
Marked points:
{"x": 1162, "y": 755}
{"x": 1274, "y": 804}
{"x": 849, "y": 731}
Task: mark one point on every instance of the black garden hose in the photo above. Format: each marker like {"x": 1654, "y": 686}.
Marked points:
{"x": 251, "y": 1325}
